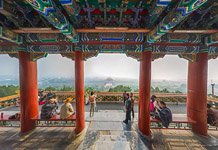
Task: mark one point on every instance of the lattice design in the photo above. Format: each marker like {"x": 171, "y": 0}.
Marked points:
{"x": 121, "y": 37}
{"x": 10, "y": 36}
{"x": 181, "y": 38}
{"x": 176, "y": 49}
{"x": 43, "y": 37}
{"x": 212, "y": 39}
{"x": 50, "y": 48}
{"x": 178, "y": 14}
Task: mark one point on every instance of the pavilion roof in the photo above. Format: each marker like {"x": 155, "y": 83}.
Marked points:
{"x": 115, "y": 26}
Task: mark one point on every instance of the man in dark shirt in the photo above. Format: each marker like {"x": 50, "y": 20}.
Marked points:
{"x": 128, "y": 109}
{"x": 48, "y": 109}
{"x": 165, "y": 114}
{"x": 125, "y": 97}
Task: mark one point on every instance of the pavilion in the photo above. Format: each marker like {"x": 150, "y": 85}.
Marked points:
{"x": 143, "y": 29}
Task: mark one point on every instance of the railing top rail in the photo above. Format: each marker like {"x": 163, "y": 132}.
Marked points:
{"x": 6, "y": 98}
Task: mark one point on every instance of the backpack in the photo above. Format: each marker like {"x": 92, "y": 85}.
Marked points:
{"x": 47, "y": 111}
{"x": 166, "y": 117}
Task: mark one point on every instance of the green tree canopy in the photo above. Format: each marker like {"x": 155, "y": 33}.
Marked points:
{"x": 120, "y": 88}
{"x": 8, "y": 90}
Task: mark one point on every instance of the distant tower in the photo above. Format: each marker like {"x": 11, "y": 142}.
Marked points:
{"x": 212, "y": 84}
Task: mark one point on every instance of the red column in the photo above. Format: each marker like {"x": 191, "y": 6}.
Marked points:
{"x": 28, "y": 91}
{"x": 144, "y": 93}
{"x": 197, "y": 93}
{"x": 79, "y": 89}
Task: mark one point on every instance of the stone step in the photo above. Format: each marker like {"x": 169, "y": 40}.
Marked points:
{"x": 112, "y": 138}
{"x": 109, "y": 145}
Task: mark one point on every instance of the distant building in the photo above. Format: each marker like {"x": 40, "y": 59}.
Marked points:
{"x": 108, "y": 82}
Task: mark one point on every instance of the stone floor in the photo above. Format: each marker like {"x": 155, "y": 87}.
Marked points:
{"x": 105, "y": 131}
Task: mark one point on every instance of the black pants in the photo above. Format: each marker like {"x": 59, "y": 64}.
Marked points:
{"x": 132, "y": 110}
{"x": 128, "y": 116}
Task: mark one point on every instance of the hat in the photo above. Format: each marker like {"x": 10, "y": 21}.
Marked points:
{"x": 52, "y": 100}
{"x": 68, "y": 100}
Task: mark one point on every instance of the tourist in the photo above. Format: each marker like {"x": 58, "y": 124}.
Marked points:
{"x": 49, "y": 109}
{"x": 128, "y": 109}
{"x": 95, "y": 104}
{"x": 212, "y": 116}
{"x": 164, "y": 113}
{"x": 17, "y": 102}
{"x": 49, "y": 94}
{"x": 124, "y": 97}
{"x": 153, "y": 103}
{"x": 66, "y": 109}
{"x": 42, "y": 98}
{"x": 132, "y": 104}
{"x": 92, "y": 103}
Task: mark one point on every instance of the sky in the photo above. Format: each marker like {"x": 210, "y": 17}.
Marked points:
{"x": 170, "y": 67}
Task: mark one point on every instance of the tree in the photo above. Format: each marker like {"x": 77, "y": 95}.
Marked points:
{"x": 120, "y": 88}
{"x": 157, "y": 90}
{"x": 8, "y": 90}
{"x": 164, "y": 91}
{"x": 66, "y": 88}
{"x": 177, "y": 91}
{"x": 50, "y": 88}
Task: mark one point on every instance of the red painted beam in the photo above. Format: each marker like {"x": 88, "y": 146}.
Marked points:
{"x": 51, "y": 43}
{"x": 109, "y": 42}
{"x": 175, "y": 44}
{"x": 8, "y": 44}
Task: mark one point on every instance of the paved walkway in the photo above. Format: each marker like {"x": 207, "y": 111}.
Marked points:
{"x": 105, "y": 131}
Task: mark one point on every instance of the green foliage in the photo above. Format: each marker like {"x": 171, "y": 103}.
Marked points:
{"x": 89, "y": 89}
{"x": 50, "y": 88}
{"x": 120, "y": 88}
{"x": 66, "y": 88}
{"x": 8, "y": 90}
{"x": 177, "y": 91}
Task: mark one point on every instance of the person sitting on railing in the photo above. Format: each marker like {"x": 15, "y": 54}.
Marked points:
{"x": 165, "y": 113}
{"x": 212, "y": 116}
{"x": 17, "y": 101}
{"x": 153, "y": 104}
{"x": 50, "y": 94}
{"x": 66, "y": 109}
{"x": 49, "y": 109}
{"x": 42, "y": 98}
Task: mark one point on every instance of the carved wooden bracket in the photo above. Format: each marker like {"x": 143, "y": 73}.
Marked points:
{"x": 86, "y": 55}
{"x": 33, "y": 56}
{"x": 189, "y": 57}
{"x": 137, "y": 55}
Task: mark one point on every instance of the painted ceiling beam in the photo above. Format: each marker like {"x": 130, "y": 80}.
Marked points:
{"x": 10, "y": 36}
{"x": 72, "y": 9}
{"x": 197, "y": 19}
{"x": 172, "y": 19}
{"x": 212, "y": 39}
{"x": 53, "y": 15}
{"x": 107, "y": 30}
{"x": 158, "y": 6}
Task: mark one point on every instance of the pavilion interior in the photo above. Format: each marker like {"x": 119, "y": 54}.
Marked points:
{"x": 80, "y": 29}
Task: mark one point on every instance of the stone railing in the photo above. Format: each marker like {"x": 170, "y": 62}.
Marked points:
{"x": 118, "y": 96}
{"x": 107, "y": 97}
